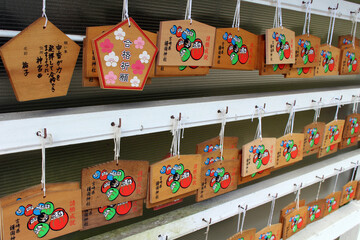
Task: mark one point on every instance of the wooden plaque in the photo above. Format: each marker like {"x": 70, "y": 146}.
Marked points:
{"x": 289, "y": 149}
{"x": 173, "y": 71}
{"x": 90, "y": 63}
{"x": 313, "y": 136}
{"x": 294, "y": 222}
{"x": 316, "y": 210}
{"x": 244, "y": 235}
{"x": 272, "y": 69}
{"x": 280, "y": 46}
{"x": 173, "y": 177}
{"x": 349, "y": 58}
{"x": 124, "y": 56}
{"x": 255, "y": 176}
{"x": 153, "y": 38}
{"x": 87, "y": 81}
{"x": 235, "y": 49}
{"x": 289, "y": 208}
{"x": 348, "y": 142}
{"x": 40, "y": 61}
{"x": 327, "y": 150}
{"x": 357, "y": 196}
{"x": 117, "y": 212}
{"x": 332, "y": 202}
{"x": 311, "y": 152}
{"x": 306, "y": 51}
{"x": 346, "y": 40}
{"x": 109, "y": 183}
{"x": 304, "y": 72}
{"x": 185, "y": 44}
{"x": 333, "y": 132}
{"x": 218, "y": 177}
{"x": 329, "y": 60}
{"x": 35, "y": 217}
{"x": 258, "y": 155}
{"x": 213, "y": 144}
{"x": 351, "y": 126}
{"x": 348, "y": 192}
{"x": 270, "y": 232}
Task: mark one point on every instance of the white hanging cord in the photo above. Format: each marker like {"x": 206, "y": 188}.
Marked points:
{"x": 125, "y": 11}
{"x": 236, "y": 21}
{"x": 331, "y": 27}
{"x": 117, "y": 139}
{"x": 353, "y": 29}
{"x": 307, "y": 18}
{"x": 44, "y": 13}
{"x": 243, "y": 219}
{"x": 178, "y": 133}
{"x": 317, "y": 111}
{"x": 290, "y": 123}
{"x": 356, "y": 103}
{"x": 278, "y": 15}
{"x": 271, "y": 210}
{"x": 222, "y": 132}
{"x": 337, "y": 109}
{"x": 318, "y": 192}
{"x": 298, "y": 197}
{"x": 353, "y": 173}
{"x": 44, "y": 138}
{"x": 207, "y": 228}
{"x": 336, "y": 179}
{"x": 188, "y": 11}
{"x": 260, "y": 112}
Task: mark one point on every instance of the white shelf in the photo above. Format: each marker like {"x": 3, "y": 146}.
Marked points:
{"x": 333, "y": 225}
{"x": 186, "y": 220}
{"x": 88, "y": 124}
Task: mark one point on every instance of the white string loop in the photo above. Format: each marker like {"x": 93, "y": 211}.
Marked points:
{"x": 222, "y": 132}
{"x": 188, "y": 11}
{"x": 317, "y": 111}
{"x": 260, "y": 113}
{"x": 336, "y": 180}
{"x": 278, "y": 15}
{"x": 355, "y": 105}
{"x": 338, "y": 106}
{"x": 44, "y": 141}
{"x": 331, "y": 27}
{"x": 290, "y": 123}
{"x": 318, "y": 192}
{"x": 353, "y": 28}
{"x": 307, "y": 18}
{"x": 271, "y": 210}
{"x": 117, "y": 139}
{"x": 298, "y": 197}
{"x": 44, "y": 13}
{"x": 178, "y": 133}
{"x": 353, "y": 173}
{"x": 236, "y": 21}
{"x": 125, "y": 11}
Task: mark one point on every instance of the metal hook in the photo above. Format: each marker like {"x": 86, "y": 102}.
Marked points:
{"x": 322, "y": 178}
{"x": 352, "y": 12}
{"x": 256, "y": 106}
{"x": 338, "y": 98}
{"x": 340, "y": 170}
{"x": 40, "y": 134}
{"x": 226, "y": 111}
{"x": 113, "y": 123}
{"x": 300, "y": 185}
{"x": 161, "y": 237}
{"x": 355, "y": 163}
{"x": 307, "y": 2}
{"x": 207, "y": 228}
{"x": 269, "y": 195}
{"x": 337, "y": 7}
{"x": 291, "y": 104}
{"x": 317, "y": 101}
{"x": 173, "y": 117}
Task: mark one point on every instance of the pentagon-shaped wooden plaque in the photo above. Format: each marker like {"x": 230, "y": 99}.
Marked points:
{"x": 306, "y": 51}
{"x": 289, "y": 149}
{"x": 280, "y": 46}
{"x": 329, "y": 61}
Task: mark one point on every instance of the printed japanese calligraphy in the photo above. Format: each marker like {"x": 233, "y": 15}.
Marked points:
{"x": 109, "y": 183}
{"x": 280, "y": 46}
{"x": 40, "y": 61}
{"x": 124, "y": 56}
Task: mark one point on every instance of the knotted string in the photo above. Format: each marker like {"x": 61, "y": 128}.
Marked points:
{"x": 331, "y": 27}
{"x": 271, "y": 210}
{"x": 243, "y": 211}
{"x": 336, "y": 180}
{"x": 307, "y": 18}
{"x": 298, "y": 197}
{"x": 44, "y": 13}
{"x": 318, "y": 192}
{"x": 353, "y": 28}
{"x": 236, "y": 21}
{"x": 222, "y": 133}
{"x": 178, "y": 133}
{"x": 278, "y": 15}
{"x": 356, "y": 103}
{"x": 125, "y": 11}
{"x": 317, "y": 111}
{"x": 117, "y": 138}
{"x": 260, "y": 112}
{"x": 337, "y": 109}
{"x": 290, "y": 123}
{"x": 44, "y": 141}
{"x": 353, "y": 173}
{"x": 188, "y": 11}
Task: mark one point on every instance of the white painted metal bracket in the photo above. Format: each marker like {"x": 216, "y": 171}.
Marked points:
{"x": 88, "y": 124}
